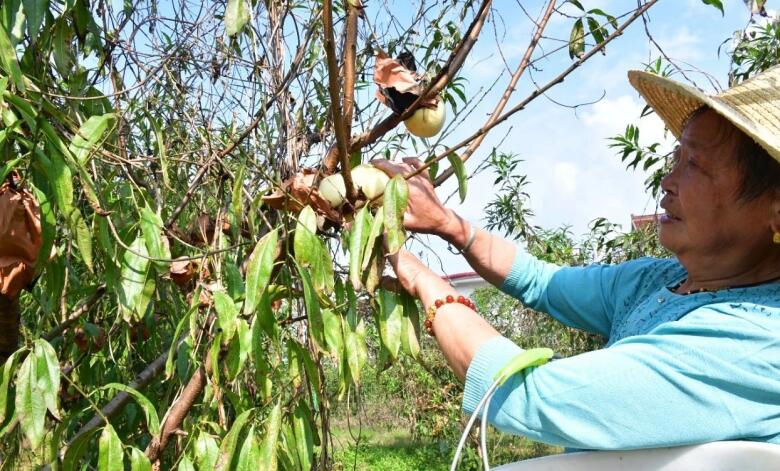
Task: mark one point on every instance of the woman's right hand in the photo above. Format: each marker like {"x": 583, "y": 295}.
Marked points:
{"x": 425, "y": 213}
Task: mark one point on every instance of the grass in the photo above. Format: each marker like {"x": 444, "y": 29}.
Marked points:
{"x": 386, "y": 449}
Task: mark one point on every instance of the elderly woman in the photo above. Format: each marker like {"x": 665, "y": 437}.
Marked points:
{"x": 694, "y": 342}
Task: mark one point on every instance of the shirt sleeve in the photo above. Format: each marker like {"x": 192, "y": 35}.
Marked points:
{"x": 712, "y": 375}
{"x": 585, "y": 298}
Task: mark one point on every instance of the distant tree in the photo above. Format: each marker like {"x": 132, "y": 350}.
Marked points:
{"x": 187, "y": 283}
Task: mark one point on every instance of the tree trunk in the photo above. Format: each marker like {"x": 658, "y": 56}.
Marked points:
{"x": 9, "y": 326}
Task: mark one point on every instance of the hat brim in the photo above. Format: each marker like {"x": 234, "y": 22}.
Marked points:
{"x": 674, "y": 103}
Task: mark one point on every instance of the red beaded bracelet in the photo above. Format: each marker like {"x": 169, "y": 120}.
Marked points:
{"x": 431, "y": 312}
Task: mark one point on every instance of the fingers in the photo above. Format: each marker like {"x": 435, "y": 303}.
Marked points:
{"x": 389, "y": 167}
{"x": 414, "y": 162}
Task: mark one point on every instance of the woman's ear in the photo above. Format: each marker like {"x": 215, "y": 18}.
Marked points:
{"x": 774, "y": 221}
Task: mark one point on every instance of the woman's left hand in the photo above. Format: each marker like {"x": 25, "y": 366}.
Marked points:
{"x": 407, "y": 268}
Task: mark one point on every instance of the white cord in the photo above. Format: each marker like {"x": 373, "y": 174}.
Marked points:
{"x": 470, "y": 424}
{"x": 533, "y": 357}
{"x": 483, "y": 428}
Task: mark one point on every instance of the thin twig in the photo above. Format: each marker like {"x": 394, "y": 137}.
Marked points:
{"x": 76, "y": 314}
{"x": 510, "y": 89}
{"x": 447, "y": 73}
{"x": 535, "y": 94}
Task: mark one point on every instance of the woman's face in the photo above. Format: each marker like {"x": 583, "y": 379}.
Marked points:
{"x": 704, "y": 216}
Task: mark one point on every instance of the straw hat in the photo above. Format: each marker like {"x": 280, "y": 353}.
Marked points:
{"x": 753, "y": 106}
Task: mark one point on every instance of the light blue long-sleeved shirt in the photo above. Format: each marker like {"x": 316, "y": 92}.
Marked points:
{"x": 677, "y": 369}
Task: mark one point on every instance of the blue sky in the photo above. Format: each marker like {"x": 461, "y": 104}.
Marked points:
{"x": 574, "y": 176}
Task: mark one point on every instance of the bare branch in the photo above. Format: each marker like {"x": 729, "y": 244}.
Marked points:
{"x": 535, "y": 94}
{"x": 335, "y": 99}
{"x": 542, "y": 24}
{"x": 447, "y": 73}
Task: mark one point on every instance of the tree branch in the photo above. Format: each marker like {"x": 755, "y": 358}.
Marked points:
{"x": 541, "y": 25}
{"x": 121, "y": 399}
{"x": 76, "y": 314}
{"x": 335, "y": 100}
{"x": 535, "y": 94}
{"x": 178, "y": 411}
{"x": 259, "y": 116}
{"x": 350, "y": 53}
{"x": 447, "y": 73}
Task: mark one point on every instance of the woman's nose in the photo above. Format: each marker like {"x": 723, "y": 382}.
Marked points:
{"x": 668, "y": 182}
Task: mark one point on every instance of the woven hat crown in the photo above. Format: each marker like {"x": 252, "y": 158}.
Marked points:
{"x": 753, "y": 105}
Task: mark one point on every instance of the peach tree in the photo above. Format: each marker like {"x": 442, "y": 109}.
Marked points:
{"x": 173, "y": 283}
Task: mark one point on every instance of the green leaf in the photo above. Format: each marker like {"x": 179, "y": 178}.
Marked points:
{"x": 37, "y": 385}
{"x": 228, "y": 447}
{"x": 136, "y": 287}
{"x": 88, "y": 135}
{"x": 61, "y": 47}
{"x": 139, "y": 461}
{"x": 304, "y": 439}
{"x": 313, "y": 313}
{"x": 152, "y": 229}
{"x": 110, "y": 457}
{"x": 79, "y": 228}
{"x": 311, "y": 253}
{"x": 334, "y": 333}
{"x": 72, "y": 460}
{"x": 237, "y": 14}
{"x": 152, "y": 421}
{"x": 396, "y": 199}
{"x": 376, "y": 230}
{"x": 206, "y": 451}
{"x": 185, "y": 465}
{"x": 9, "y": 62}
{"x": 161, "y": 150}
{"x": 268, "y": 458}
{"x": 715, "y": 3}
{"x": 300, "y": 355}
{"x": 358, "y": 237}
{"x": 357, "y": 353}
{"x": 389, "y": 320}
{"x": 238, "y": 350}
{"x": 237, "y": 198}
{"x": 460, "y": 172}
{"x": 595, "y": 30}
{"x": 13, "y": 19}
{"x": 227, "y": 313}
{"x": 9, "y": 368}
{"x": 48, "y": 228}
{"x": 259, "y": 269}
{"x": 577, "y": 40}
{"x": 249, "y": 456}
{"x": 410, "y": 326}
{"x": 6, "y": 168}
{"x": 176, "y": 335}
{"x": 235, "y": 282}
{"x": 36, "y": 12}
{"x": 61, "y": 181}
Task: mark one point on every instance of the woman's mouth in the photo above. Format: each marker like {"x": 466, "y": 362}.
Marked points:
{"x": 667, "y": 218}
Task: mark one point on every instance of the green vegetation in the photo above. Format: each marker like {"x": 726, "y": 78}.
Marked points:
{"x": 189, "y": 299}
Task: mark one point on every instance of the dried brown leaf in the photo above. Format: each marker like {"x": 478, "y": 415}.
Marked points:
{"x": 20, "y": 239}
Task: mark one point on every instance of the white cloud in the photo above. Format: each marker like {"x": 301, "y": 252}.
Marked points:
{"x": 565, "y": 175}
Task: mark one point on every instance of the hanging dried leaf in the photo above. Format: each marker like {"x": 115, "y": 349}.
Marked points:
{"x": 398, "y": 86}
{"x": 299, "y": 191}
{"x": 20, "y": 239}
{"x": 182, "y": 271}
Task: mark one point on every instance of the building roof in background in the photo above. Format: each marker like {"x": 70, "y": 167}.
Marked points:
{"x": 641, "y": 221}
